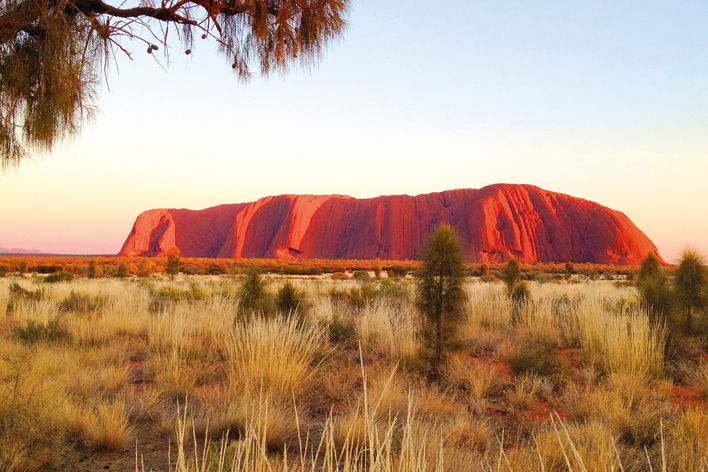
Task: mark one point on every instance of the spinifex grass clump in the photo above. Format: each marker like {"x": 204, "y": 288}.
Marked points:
{"x": 624, "y": 342}
{"x": 277, "y": 356}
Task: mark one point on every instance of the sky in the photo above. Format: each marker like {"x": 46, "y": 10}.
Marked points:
{"x": 604, "y": 100}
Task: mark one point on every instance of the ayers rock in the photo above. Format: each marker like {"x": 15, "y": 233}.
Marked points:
{"x": 495, "y": 223}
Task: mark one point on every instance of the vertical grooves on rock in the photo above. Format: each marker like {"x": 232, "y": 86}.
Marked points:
{"x": 495, "y": 223}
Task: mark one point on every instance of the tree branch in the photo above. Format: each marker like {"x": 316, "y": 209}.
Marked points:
{"x": 98, "y": 7}
{"x": 20, "y": 18}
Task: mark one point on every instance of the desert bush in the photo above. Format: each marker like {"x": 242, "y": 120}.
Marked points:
{"x": 520, "y": 296}
{"x": 168, "y": 296}
{"x": 569, "y": 268}
{"x": 45, "y": 269}
{"x": 361, "y": 276}
{"x": 356, "y": 297}
{"x": 121, "y": 271}
{"x": 19, "y": 295}
{"x": 91, "y": 270}
{"x": 535, "y": 358}
{"x": 394, "y": 289}
{"x": 252, "y": 293}
{"x": 655, "y": 292}
{"x": 34, "y": 331}
{"x": 289, "y": 300}
{"x": 341, "y": 330}
{"x": 56, "y": 277}
{"x": 511, "y": 275}
{"x": 3, "y": 271}
{"x": 82, "y": 303}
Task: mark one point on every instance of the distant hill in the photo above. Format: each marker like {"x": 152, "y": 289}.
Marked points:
{"x": 496, "y": 223}
{"x": 18, "y": 251}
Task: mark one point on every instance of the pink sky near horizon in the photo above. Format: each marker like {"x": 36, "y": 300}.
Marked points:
{"x": 617, "y": 115}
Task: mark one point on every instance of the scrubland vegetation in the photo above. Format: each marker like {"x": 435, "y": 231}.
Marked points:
{"x": 258, "y": 373}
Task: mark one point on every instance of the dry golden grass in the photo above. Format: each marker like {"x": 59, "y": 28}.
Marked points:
{"x": 479, "y": 378}
{"x": 698, "y": 378}
{"x": 277, "y": 356}
{"x": 389, "y": 329}
{"x": 262, "y": 381}
{"x": 107, "y": 426}
{"x": 621, "y": 342}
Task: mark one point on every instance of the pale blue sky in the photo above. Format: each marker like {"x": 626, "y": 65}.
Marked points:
{"x": 606, "y": 101}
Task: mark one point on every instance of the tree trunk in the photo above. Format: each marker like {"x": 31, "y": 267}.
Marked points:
{"x": 438, "y": 327}
{"x": 688, "y": 319}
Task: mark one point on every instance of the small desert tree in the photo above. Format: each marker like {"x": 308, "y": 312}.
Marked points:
{"x": 484, "y": 270}
{"x": 91, "y": 270}
{"x": 654, "y": 289}
{"x": 252, "y": 292}
{"x": 516, "y": 289}
{"x": 569, "y": 269}
{"x": 173, "y": 265}
{"x": 122, "y": 271}
{"x": 691, "y": 283}
{"x": 378, "y": 268}
{"x": 511, "y": 275}
{"x": 440, "y": 294}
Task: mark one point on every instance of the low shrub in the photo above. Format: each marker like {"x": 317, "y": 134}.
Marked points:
{"x": 18, "y": 294}
{"x": 356, "y": 297}
{"x": 252, "y": 292}
{"x": 341, "y": 330}
{"x": 82, "y": 303}
{"x": 538, "y": 359}
{"x": 361, "y": 275}
{"x": 34, "y": 332}
{"x": 121, "y": 271}
{"x": 289, "y": 300}
{"x": 56, "y": 277}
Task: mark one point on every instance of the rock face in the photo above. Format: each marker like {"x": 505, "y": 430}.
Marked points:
{"x": 495, "y": 223}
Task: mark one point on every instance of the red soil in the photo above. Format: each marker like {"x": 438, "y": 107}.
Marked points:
{"x": 541, "y": 410}
{"x": 687, "y": 397}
